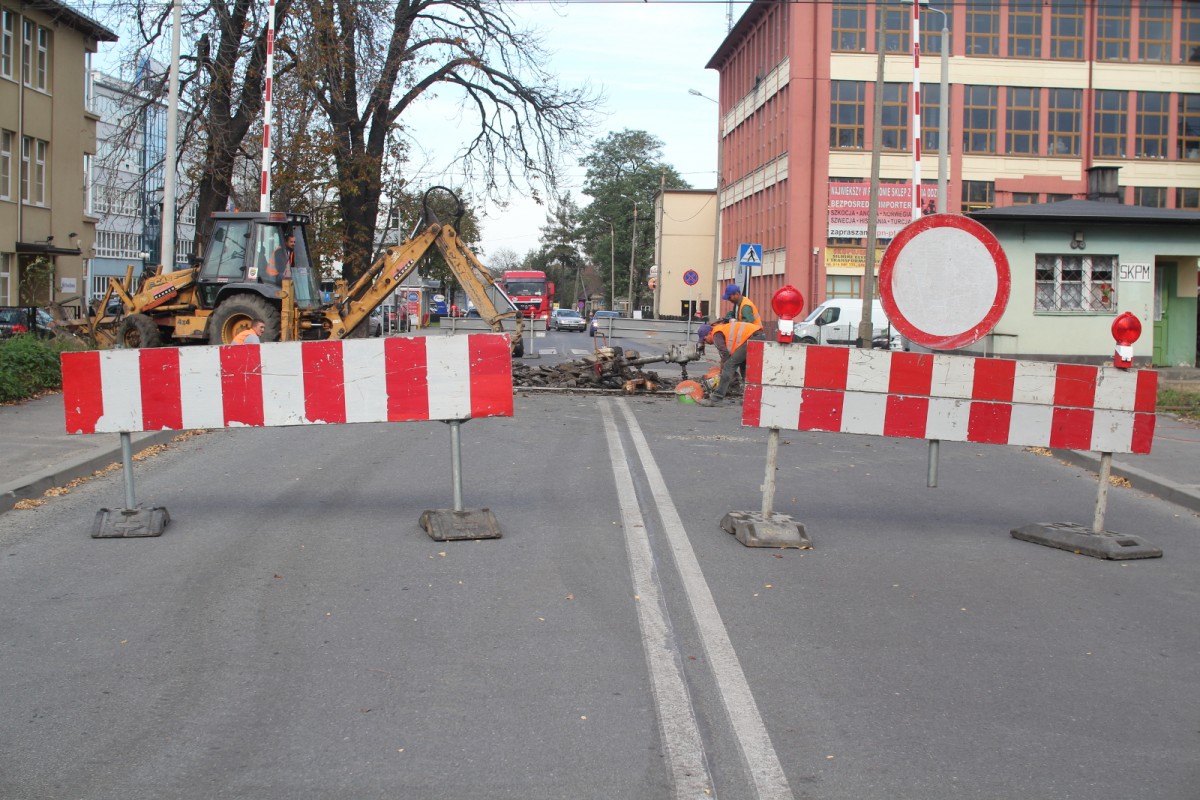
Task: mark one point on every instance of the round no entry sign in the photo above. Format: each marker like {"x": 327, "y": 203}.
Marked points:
{"x": 691, "y": 277}
{"x": 944, "y": 281}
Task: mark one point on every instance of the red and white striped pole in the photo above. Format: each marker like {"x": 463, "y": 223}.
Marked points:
{"x": 264, "y": 197}
{"x": 916, "y": 109}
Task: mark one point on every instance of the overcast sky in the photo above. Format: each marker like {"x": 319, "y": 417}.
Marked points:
{"x": 644, "y": 57}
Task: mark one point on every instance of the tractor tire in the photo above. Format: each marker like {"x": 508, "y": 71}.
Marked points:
{"x": 518, "y": 349}
{"x": 138, "y": 330}
{"x": 235, "y": 315}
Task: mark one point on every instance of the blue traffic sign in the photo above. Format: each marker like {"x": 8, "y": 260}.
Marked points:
{"x": 691, "y": 277}
{"x": 750, "y": 255}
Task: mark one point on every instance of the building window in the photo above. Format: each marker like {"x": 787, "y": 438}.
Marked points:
{"x": 1154, "y": 31}
{"x": 6, "y": 263}
{"x": 1109, "y": 124}
{"x": 1024, "y": 198}
{"x": 1189, "y": 126}
{"x": 1187, "y": 198}
{"x": 896, "y": 111}
{"x": 896, "y": 24}
{"x": 931, "y": 31}
{"x": 931, "y": 116}
{"x": 843, "y": 286}
{"x": 8, "y": 22}
{"x": 6, "y": 155}
{"x": 35, "y": 55}
{"x": 983, "y": 27}
{"x": 979, "y": 119}
{"x": 1021, "y": 134}
{"x": 1064, "y": 121}
{"x": 1189, "y": 34}
{"x": 849, "y": 25}
{"x": 977, "y": 195}
{"x": 1075, "y": 283}
{"x": 118, "y": 244}
{"x": 1150, "y": 196}
{"x": 1066, "y": 29}
{"x": 1025, "y": 28}
{"x": 1152, "y": 115}
{"x": 847, "y": 114}
{"x": 1112, "y": 30}
{"x": 1058, "y": 198}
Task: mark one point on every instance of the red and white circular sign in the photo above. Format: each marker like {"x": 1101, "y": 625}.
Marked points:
{"x": 944, "y": 281}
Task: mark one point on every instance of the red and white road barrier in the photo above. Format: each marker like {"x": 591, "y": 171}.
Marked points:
{"x": 396, "y": 379}
{"x": 950, "y": 398}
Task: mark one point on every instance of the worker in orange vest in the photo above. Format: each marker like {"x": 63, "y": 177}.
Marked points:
{"x": 730, "y": 339}
{"x": 251, "y": 335}
{"x": 743, "y": 307}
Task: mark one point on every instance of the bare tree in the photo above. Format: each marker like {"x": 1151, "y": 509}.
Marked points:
{"x": 369, "y": 61}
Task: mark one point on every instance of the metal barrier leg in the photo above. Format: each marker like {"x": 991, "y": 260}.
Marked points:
{"x": 766, "y": 528}
{"x": 130, "y": 521}
{"x": 444, "y": 524}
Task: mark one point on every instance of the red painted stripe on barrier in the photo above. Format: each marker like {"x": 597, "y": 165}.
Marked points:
{"x": 1143, "y": 432}
{"x": 906, "y": 416}
{"x": 241, "y": 385}
{"x": 82, "y": 395}
{"x": 491, "y": 376}
{"x": 1071, "y": 428}
{"x": 1146, "y": 396}
{"x": 826, "y": 367}
{"x": 752, "y": 402}
{"x": 162, "y": 400}
{"x": 324, "y": 381}
{"x": 754, "y": 361}
{"x": 911, "y": 373}
{"x": 406, "y": 365}
{"x": 1075, "y": 385}
{"x": 994, "y": 378}
{"x": 820, "y": 410}
{"x": 988, "y": 423}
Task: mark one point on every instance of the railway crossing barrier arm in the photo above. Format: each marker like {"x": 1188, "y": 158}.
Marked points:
{"x": 394, "y": 379}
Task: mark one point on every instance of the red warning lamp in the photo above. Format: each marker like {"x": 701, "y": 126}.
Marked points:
{"x": 787, "y": 304}
{"x": 1126, "y": 329}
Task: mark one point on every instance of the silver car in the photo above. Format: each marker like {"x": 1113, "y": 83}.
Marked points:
{"x": 567, "y": 319}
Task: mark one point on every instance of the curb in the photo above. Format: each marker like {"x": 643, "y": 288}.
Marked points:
{"x": 35, "y": 484}
{"x": 1156, "y": 485}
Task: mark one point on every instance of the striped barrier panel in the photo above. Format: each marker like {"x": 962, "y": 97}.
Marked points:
{"x": 949, "y": 398}
{"x": 395, "y": 379}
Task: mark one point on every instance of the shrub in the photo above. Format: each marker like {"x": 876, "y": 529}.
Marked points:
{"x": 29, "y": 365}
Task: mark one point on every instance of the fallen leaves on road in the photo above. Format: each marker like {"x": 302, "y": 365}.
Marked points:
{"x": 27, "y": 504}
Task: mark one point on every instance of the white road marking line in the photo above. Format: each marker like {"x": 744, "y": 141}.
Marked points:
{"x": 681, "y": 734}
{"x": 757, "y": 750}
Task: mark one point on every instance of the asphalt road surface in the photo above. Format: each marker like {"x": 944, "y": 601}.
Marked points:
{"x": 295, "y": 634}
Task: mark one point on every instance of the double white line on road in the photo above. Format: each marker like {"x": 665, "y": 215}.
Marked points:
{"x": 681, "y": 734}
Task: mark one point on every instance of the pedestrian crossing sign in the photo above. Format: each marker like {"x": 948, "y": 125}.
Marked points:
{"x": 750, "y": 255}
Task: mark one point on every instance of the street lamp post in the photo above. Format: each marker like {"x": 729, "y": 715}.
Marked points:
{"x": 612, "y": 264}
{"x": 632, "y": 257}
{"x": 717, "y": 227}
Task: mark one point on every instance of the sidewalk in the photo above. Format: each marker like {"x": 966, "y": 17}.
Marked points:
{"x": 40, "y": 455}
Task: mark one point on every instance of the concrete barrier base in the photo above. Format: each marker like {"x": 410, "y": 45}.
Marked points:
{"x": 1080, "y": 540}
{"x": 127, "y": 523}
{"x": 446, "y": 524}
{"x": 755, "y": 529}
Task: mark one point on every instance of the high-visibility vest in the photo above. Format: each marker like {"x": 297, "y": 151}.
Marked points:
{"x": 746, "y": 301}
{"x": 736, "y": 333}
{"x": 241, "y": 337}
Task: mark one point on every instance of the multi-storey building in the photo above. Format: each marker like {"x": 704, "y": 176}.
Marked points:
{"x": 1039, "y": 92}
{"x": 127, "y": 186}
{"x": 47, "y": 142}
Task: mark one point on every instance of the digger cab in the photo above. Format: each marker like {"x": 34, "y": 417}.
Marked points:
{"x": 259, "y": 249}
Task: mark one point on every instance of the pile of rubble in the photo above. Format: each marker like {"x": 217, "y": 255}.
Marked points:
{"x": 607, "y": 368}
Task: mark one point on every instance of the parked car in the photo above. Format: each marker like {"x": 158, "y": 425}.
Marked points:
{"x": 15, "y": 320}
{"x": 375, "y": 323}
{"x": 567, "y": 319}
{"x": 600, "y": 315}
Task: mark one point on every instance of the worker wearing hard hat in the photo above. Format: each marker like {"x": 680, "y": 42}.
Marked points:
{"x": 730, "y": 339}
{"x": 743, "y": 309}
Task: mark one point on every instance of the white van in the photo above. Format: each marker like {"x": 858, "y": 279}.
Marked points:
{"x": 836, "y": 322}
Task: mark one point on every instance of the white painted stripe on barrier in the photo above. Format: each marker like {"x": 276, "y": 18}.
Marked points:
{"x": 448, "y": 358}
{"x": 868, "y": 370}
{"x": 864, "y": 412}
{"x": 1116, "y": 390}
{"x": 1034, "y": 383}
{"x": 122, "y": 399}
{"x": 1029, "y": 425}
{"x": 1112, "y": 431}
{"x": 780, "y": 407}
{"x": 948, "y": 418}
{"x": 282, "y": 384}
{"x": 200, "y": 371}
{"x": 365, "y": 382}
{"x": 783, "y": 368}
{"x": 953, "y": 376}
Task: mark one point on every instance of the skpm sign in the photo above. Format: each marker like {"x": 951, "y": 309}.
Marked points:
{"x": 1135, "y": 273}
